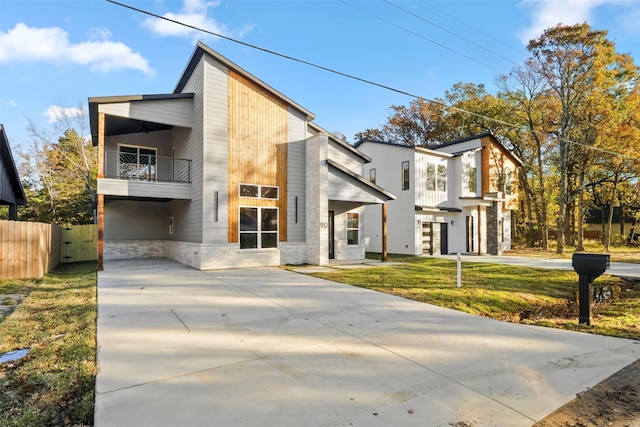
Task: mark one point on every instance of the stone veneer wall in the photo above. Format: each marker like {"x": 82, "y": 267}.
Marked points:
{"x": 293, "y": 253}
{"x": 129, "y": 249}
{"x": 494, "y": 243}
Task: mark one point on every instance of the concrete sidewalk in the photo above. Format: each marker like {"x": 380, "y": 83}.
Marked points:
{"x": 619, "y": 269}
{"x": 267, "y": 347}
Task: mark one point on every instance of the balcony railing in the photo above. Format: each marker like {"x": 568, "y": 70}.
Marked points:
{"x": 146, "y": 167}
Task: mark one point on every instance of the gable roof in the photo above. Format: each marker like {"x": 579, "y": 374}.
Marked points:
{"x": 202, "y": 49}
{"x": 9, "y": 165}
{"x": 489, "y": 135}
{"x": 341, "y": 143}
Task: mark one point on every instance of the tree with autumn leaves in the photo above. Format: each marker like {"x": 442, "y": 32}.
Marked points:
{"x": 570, "y": 112}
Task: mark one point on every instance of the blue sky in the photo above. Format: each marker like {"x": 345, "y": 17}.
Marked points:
{"x": 57, "y": 53}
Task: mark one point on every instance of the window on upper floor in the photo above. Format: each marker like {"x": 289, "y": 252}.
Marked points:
{"x": 436, "y": 177}
{"x": 431, "y": 177}
{"x": 442, "y": 178}
{"x": 405, "y": 175}
{"x": 372, "y": 175}
{"x": 508, "y": 185}
{"x": 472, "y": 179}
{"x": 258, "y": 191}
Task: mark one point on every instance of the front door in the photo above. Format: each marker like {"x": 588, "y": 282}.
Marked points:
{"x": 331, "y": 235}
{"x": 444, "y": 239}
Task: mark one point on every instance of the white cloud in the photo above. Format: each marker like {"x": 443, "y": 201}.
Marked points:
{"x": 52, "y": 45}
{"x": 11, "y": 103}
{"x": 194, "y": 13}
{"x": 57, "y": 113}
{"x": 549, "y": 13}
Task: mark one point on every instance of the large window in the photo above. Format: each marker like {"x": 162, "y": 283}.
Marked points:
{"x": 258, "y": 227}
{"x": 372, "y": 175}
{"x": 405, "y": 175}
{"x": 431, "y": 177}
{"x": 353, "y": 228}
{"x": 137, "y": 162}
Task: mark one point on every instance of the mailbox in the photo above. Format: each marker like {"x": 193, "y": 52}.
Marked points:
{"x": 590, "y": 264}
{"x": 588, "y": 267}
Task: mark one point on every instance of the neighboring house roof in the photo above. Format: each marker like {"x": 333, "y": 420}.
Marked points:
{"x": 376, "y": 189}
{"x": 9, "y": 165}
{"x": 117, "y": 126}
{"x": 417, "y": 148}
{"x": 202, "y": 49}
{"x": 375, "y": 141}
{"x": 343, "y": 144}
{"x": 509, "y": 153}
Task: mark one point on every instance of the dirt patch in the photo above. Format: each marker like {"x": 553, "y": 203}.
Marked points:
{"x": 613, "y": 402}
{"x": 8, "y": 303}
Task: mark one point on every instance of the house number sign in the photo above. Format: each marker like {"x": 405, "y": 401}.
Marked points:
{"x": 324, "y": 224}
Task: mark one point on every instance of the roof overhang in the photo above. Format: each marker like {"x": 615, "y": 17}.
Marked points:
{"x": 436, "y": 209}
{"x": 487, "y": 200}
{"x": 354, "y": 188}
{"x": 125, "y": 125}
{"x": 9, "y": 165}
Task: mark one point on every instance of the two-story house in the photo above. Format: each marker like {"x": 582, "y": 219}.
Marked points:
{"x": 457, "y": 197}
{"x": 225, "y": 171}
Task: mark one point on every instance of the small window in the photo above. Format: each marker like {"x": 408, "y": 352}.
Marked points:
{"x": 442, "y": 178}
{"x": 472, "y": 179}
{"x": 248, "y": 190}
{"x": 258, "y": 191}
{"x": 431, "y": 177}
{"x": 372, "y": 175}
{"x": 508, "y": 185}
{"x": 405, "y": 175}
{"x": 170, "y": 225}
{"x": 267, "y": 192}
{"x": 353, "y": 228}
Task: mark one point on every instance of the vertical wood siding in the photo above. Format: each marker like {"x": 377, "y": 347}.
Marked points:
{"x": 28, "y": 249}
{"x": 257, "y": 147}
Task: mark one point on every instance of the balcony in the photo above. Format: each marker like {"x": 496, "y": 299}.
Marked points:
{"x": 146, "y": 167}
{"x": 144, "y": 175}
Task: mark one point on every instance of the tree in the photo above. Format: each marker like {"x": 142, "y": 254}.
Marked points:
{"x": 59, "y": 176}
{"x": 581, "y": 68}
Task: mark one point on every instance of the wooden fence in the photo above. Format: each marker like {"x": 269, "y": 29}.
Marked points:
{"x": 28, "y": 249}
{"x": 79, "y": 243}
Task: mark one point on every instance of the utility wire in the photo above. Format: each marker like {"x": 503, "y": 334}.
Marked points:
{"x": 418, "y": 35}
{"x": 450, "y": 32}
{"x": 349, "y": 76}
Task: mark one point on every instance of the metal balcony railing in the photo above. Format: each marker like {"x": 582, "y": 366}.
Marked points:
{"x": 146, "y": 167}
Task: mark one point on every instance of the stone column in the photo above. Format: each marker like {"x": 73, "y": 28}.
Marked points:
{"x": 494, "y": 233}
{"x": 317, "y": 202}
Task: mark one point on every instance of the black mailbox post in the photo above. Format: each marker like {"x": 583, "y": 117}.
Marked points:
{"x": 588, "y": 267}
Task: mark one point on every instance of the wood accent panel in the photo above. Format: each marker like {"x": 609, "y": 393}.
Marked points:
{"x": 101, "y": 127}
{"x": 100, "y": 232}
{"x": 257, "y": 147}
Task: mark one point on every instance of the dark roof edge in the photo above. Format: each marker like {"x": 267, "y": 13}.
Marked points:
{"x": 10, "y": 165}
{"x": 361, "y": 179}
{"x": 202, "y": 49}
{"x": 375, "y": 141}
{"x": 129, "y": 98}
{"x": 343, "y": 144}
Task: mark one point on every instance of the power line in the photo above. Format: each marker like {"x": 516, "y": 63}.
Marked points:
{"x": 418, "y": 35}
{"x": 450, "y": 32}
{"x": 360, "y": 79}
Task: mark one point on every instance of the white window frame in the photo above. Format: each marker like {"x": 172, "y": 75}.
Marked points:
{"x": 260, "y": 187}
{"x": 259, "y": 232}
{"x": 359, "y": 216}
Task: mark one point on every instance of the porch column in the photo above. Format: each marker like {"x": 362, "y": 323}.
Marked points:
{"x": 317, "y": 201}
{"x": 100, "y": 209}
{"x": 384, "y": 232}
{"x": 13, "y": 212}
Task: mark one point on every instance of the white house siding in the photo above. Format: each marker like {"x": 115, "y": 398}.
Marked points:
{"x": 423, "y": 196}
{"x": 296, "y": 177}
{"x": 401, "y": 229}
{"x": 176, "y": 112}
{"x": 215, "y": 149}
{"x": 460, "y": 147}
{"x": 345, "y": 157}
{"x": 188, "y": 219}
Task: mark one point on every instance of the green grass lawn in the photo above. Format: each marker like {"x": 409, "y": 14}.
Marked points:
{"x": 516, "y": 294}
{"x": 54, "y": 384}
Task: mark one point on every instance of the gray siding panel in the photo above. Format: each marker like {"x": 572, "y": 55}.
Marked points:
{"x": 345, "y": 157}
{"x": 296, "y": 177}
{"x": 188, "y": 215}
{"x": 177, "y": 112}
{"x": 215, "y": 146}
{"x": 134, "y": 220}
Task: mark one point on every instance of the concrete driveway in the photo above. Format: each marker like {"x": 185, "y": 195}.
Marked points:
{"x": 267, "y": 347}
